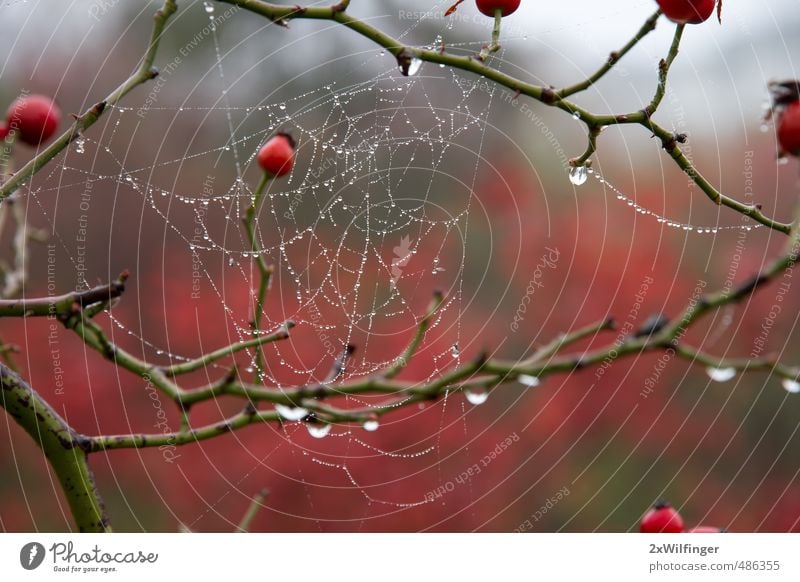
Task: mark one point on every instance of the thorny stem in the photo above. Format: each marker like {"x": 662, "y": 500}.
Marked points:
{"x": 144, "y": 73}
{"x": 264, "y": 270}
{"x": 546, "y": 95}
{"x": 68, "y": 451}
{"x": 64, "y": 448}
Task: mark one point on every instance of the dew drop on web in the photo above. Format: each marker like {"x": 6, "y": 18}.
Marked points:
{"x": 721, "y": 374}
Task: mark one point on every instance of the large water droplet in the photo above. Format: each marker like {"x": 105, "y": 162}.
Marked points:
{"x": 454, "y": 351}
{"x": 791, "y": 386}
{"x": 291, "y": 413}
{"x": 209, "y": 7}
{"x": 476, "y": 396}
{"x": 721, "y": 374}
{"x": 370, "y": 425}
{"x": 318, "y": 431}
{"x": 414, "y": 66}
{"x": 578, "y": 175}
{"x": 528, "y": 381}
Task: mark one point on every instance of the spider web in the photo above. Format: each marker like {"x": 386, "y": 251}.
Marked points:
{"x": 355, "y": 239}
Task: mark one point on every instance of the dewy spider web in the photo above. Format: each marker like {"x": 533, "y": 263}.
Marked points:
{"x": 344, "y": 229}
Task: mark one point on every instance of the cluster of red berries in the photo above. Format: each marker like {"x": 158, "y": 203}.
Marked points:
{"x": 663, "y": 518}
{"x": 680, "y": 11}
{"x": 689, "y": 11}
{"x": 31, "y": 119}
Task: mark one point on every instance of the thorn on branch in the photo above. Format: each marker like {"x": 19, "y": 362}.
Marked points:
{"x": 750, "y": 285}
{"x": 549, "y": 96}
{"x": 404, "y": 58}
{"x": 652, "y": 325}
{"x": 340, "y": 7}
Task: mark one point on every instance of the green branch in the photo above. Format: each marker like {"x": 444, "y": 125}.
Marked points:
{"x": 545, "y": 95}
{"x": 648, "y": 26}
{"x": 65, "y": 449}
{"x": 144, "y": 73}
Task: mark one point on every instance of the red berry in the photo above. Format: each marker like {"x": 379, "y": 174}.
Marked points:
{"x": 661, "y": 519}
{"x": 489, "y": 7}
{"x": 687, "y": 11}
{"x": 34, "y": 119}
{"x": 789, "y": 129}
{"x": 706, "y": 529}
{"x": 277, "y": 155}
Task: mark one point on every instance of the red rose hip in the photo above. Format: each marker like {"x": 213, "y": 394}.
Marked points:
{"x": 277, "y": 155}
{"x": 33, "y": 119}
{"x": 488, "y": 7}
{"x": 687, "y": 11}
{"x": 662, "y": 518}
{"x": 789, "y": 129}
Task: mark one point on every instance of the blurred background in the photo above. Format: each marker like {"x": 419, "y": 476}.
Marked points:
{"x": 405, "y": 185}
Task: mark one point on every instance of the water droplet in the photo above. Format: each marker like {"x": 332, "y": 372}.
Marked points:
{"x": 476, "y": 396}
{"x": 721, "y": 374}
{"x": 764, "y": 128}
{"x": 209, "y": 7}
{"x": 282, "y": 106}
{"x": 371, "y": 425}
{"x": 791, "y": 386}
{"x": 80, "y": 145}
{"x": 318, "y": 431}
{"x": 528, "y": 381}
{"x": 783, "y": 160}
{"x": 454, "y": 351}
{"x": 576, "y": 115}
{"x": 414, "y": 66}
{"x": 578, "y": 175}
{"x": 291, "y": 413}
